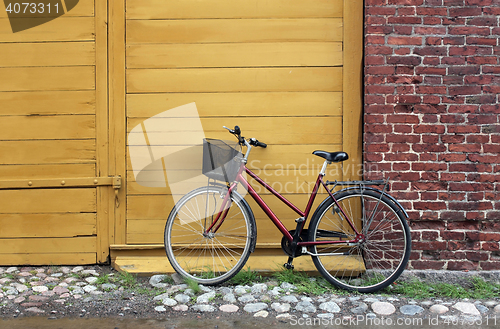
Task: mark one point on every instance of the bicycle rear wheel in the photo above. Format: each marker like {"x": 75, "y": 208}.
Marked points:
{"x": 214, "y": 257}
{"x": 365, "y": 266}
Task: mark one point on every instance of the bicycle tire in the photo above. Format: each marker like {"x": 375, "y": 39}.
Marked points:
{"x": 370, "y": 265}
{"x": 214, "y": 258}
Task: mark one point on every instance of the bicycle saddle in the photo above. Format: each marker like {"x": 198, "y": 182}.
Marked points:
{"x": 332, "y": 156}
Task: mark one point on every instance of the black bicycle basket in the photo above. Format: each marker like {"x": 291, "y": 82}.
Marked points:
{"x": 221, "y": 159}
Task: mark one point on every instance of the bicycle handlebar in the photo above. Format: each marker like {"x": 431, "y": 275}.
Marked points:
{"x": 252, "y": 141}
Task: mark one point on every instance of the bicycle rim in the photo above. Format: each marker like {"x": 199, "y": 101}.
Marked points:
{"x": 214, "y": 257}
{"x": 372, "y": 264}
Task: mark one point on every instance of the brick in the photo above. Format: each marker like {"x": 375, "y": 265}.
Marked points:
{"x": 455, "y": 177}
{"x": 481, "y": 41}
{"x": 468, "y": 30}
{"x": 466, "y": 11}
{"x": 404, "y": 60}
{"x": 425, "y": 265}
{"x": 470, "y": 50}
{"x": 464, "y": 90}
{"x": 490, "y": 266}
{"x": 462, "y": 265}
{"x": 482, "y": 20}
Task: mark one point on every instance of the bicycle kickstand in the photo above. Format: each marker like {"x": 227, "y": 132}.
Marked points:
{"x": 288, "y": 265}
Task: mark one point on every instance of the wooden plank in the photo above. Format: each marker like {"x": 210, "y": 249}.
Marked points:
{"x": 181, "y": 9}
{"x": 84, "y": 8}
{"x": 77, "y": 258}
{"x": 47, "y": 201}
{"x": 233, "y": 80}
{"x": 353, "y": 85}
{"x": 258, "y": 104}
{"x": 233, "y": 30}
{"x": 47, "y": 127}
{"x": 234, "y": 55}
{"x": 47, "y": 54}
{"x": 47, "y": 225}
{"x": 47, "y": 171}
{"x": 274, "y": 130}
{"x": 47, "y": 78}
{"x": 60, "y": 29}
{"x": 47, "y": 102}
{"x": 116, "y": 106}
{"x": 47, "y": 245}
{"x": 44, "y": 152}
{"x": 158, "y": 207}
{"x": 105, "y": 195}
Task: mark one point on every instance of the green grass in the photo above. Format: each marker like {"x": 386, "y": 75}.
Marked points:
{"x": 127, "y": 280}
{"x": 244, "y": 277}
{"x": 193, "y": 285}
{"x": 479, "y": 289}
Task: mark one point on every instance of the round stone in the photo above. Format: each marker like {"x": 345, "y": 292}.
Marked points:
{"x": 438, "y": 309}
{"x": 289, "y": 299}
{"x": 306, "y": 307}
{"x": 91, "y": 280}
{"x": 169, "y": 302}
{"x": 361, "y": 308}
{"x": 330, "y": 307}
{"x": 255, "y": 307}
{"x": 203, "y": 308}
{"x": 411, "y": 309}
{"x": 280, "y": 308}
{"x": 261, "y": 314}
{"x": 246, "y": 298}
{"x": 466, "y": 308}
{"x": 183, "y": 299}
{"x": 180, "y": 308}
{"x": 383, "y": 308}
{"x": 40, "y": 288}
{"x": 156, "y": 281}
{"x": 497, "y": 309}
{"x": 229, "y": 298}
{"x": 229, "y": 308}
{"x": 160, "y": 309}
{"x": 205, "y": 298}
{"x": 482, "y": 309}
{"x": 259, "y": 288}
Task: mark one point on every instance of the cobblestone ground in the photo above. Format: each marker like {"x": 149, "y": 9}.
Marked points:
{"x": 99, "y": 291}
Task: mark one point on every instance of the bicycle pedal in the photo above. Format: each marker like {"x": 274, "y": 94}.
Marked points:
{"x": 289, "y": 266}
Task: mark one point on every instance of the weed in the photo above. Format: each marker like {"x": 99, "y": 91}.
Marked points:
{"x": 127, "y": 279}
{"x": 193, "y": 285}
{"x": 103, "y": 279}
{"x": 246, "y": 277}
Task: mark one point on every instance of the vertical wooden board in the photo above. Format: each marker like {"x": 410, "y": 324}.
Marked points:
{"x": 47, "y": 102}
{"x": 48, "y": 151}
{"x": 181, "y": 9}
{"x": 47, "y": 78}
{"x": 47, "y": 127}
{"x": 353, "y": 85}
{"x": 233, "y": 30}
{"x": 47, "y": 201}
{"x": 234, "y": 55}
{"x": 60, "y": 29}
{"x": 47, "y": 54}
{"x": 234, "y": 79}
{"x": 117, "y": 116}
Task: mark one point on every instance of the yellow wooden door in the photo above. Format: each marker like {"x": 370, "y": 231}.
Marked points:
{"x": 288, "y": 72}
{"x": 55, "y": 186}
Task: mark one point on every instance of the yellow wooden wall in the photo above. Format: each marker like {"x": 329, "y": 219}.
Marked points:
{"x": 48, "y": 119}
{"x": 275, "y": 68}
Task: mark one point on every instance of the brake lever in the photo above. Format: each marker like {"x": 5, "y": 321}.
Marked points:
{"x": 230, "y": 130}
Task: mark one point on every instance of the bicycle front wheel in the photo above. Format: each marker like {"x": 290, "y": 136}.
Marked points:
{"x": 209, "y": 257}
{"x": 368, "y": 265}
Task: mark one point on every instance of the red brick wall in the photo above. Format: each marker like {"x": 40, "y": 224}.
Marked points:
{"x": 432, "y": 75}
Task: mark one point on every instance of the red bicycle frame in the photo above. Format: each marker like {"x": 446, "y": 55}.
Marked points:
{"x": 219, "y": 219}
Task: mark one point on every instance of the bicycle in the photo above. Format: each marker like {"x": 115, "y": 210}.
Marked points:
{"x": 358, "y": 237}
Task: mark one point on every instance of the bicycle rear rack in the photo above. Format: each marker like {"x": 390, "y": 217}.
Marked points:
{"x": 357, "y": 183}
